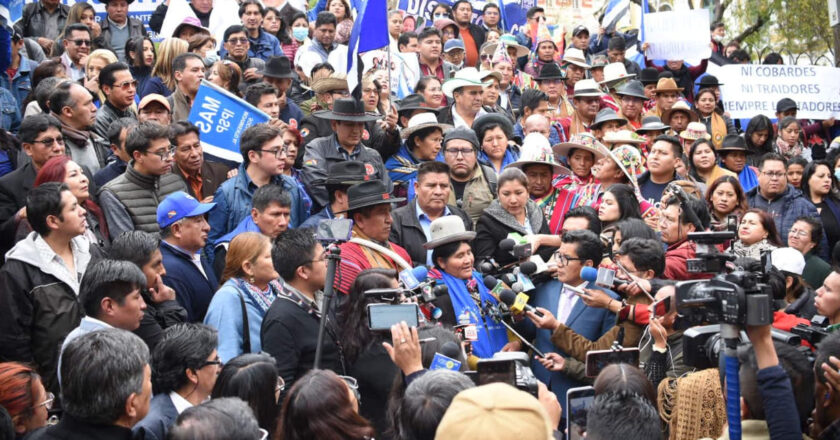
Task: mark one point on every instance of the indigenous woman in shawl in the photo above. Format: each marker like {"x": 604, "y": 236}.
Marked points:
{"x": 495, "y": 132}
{"x": 789, "y": 139}
{"x": 537, "y": 162}
{"x": 423, "y": 137}
{"x": 705, "y": 105}
{"x": 468, "y": 297}
{"x": 580, "y": 154}
{"x": 733, "y": 157}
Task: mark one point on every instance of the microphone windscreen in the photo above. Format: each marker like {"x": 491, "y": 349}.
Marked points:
{"x": 450, "y": 350}
{"x": 485, "y": 267}
{"x": 517, "y": 287}
{"x": 490, "y": 281}
{"x": 507, "y": 244}
{"x": 507, "y": 296}
{"x": 528, "y": 267}
{"x": 420, "y": 272}
{"x": 509, "y": 279}
{"x": 588, "y": 273}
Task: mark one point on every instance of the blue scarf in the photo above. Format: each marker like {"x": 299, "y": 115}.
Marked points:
{"x": 492, "y": 336}
{"x": 748, "y": 178}
{"x": 510, "y": 157}
{"x": 402, "y": 167}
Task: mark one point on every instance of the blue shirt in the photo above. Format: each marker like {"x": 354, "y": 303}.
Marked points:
{"x": 344, "y": 154}
{"x": 426, "y": 224}
{"x": 291, "y": 111}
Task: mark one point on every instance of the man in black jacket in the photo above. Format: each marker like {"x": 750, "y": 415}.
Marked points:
{"x": 472, "y": 34}
{"x": 106, "y": 388}
{"x": 290, "y": 327}
{"x": 39, "y": 284}
{"x": 412, "y": 222}
{"x": 42, "y": 140}
{"x": 202, "y": 9}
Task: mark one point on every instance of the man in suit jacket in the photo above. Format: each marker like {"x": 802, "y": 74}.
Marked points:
{"x": 578, "y": 249}
{"x": 412, "y": 223}
{"x": 202, "y": 177}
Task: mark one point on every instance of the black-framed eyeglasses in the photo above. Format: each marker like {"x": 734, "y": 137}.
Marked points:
{"x": 454, "y": 152}
{"x": 278, "y": 153}
{"x": 564, "y": 259}
{"x": 48, "y": 142}
{"x": 218, "y": 362}
{"x": 81, "y": 42}
{"x": 164, "y": 154}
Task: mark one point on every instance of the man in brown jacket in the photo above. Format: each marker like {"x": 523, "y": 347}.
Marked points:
{"x": 201, "y": 176}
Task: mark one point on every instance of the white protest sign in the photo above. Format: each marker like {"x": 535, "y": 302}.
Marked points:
{"x": 678, "y": 35}
{"x": 753, "y": 89}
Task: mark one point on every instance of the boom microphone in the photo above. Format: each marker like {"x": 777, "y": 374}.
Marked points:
{"x": 518, "y": 303}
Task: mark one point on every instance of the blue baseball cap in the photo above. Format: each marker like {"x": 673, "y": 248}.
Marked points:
{"x": 180, "y": 205}
{"x": 455, "y": 43}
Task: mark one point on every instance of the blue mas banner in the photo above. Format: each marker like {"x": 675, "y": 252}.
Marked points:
{"x": 222, "y": 118}
{"x": 513, "y": 15}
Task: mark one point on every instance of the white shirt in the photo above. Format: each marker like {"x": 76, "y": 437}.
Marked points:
{"x": 567, "y": 302}
{"x": 179, "y": 402}
{"x": 458, "y": 121}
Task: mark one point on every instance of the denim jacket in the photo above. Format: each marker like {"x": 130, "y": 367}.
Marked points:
{"x": 9, "y": 112}
{"x": 21, "y": 84}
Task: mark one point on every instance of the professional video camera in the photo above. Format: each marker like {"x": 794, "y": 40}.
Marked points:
{"x": 738, "y": 297}
{"x": 511, "y": 368}
{"x": 416, "y": 285}
{"x": 813, "y": 333}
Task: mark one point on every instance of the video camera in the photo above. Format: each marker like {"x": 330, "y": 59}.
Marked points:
{"x": 511, "y": 368}
{"x": 813, "y": 333}
{"x": 739, "y": 297}
{"x": 417, "y": 287}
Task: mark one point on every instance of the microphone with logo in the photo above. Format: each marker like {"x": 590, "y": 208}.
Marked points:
{"x": 601, "y": 277}
{"x": 447, "y": 357}
{"x": 518, "y": 303}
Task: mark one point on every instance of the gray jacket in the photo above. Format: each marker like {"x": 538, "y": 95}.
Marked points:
{"x": 33, "y": 20}
{"x": 323, "y": 152}
{"x": 130, "y": 201}
{"x": 135, "y": 29}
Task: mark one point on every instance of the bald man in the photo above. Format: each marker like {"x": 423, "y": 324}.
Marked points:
{"x": 537, "y": 123}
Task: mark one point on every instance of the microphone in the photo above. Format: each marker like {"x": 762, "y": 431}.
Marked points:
{"x": 411, "y": 278}
{"x": 495, "y": 286}
{"x": 528, "y": 268}
{"x": 507, "y": 244}
{"x": 508, "y": 278}
{"x": 447, "y": 357}
{"x": 601, "y": 277}
{"x": 518, "y": 303}
{"x": 517, "y": 287}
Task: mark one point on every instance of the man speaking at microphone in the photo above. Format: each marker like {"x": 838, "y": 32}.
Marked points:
{"x": 578, "y": 249}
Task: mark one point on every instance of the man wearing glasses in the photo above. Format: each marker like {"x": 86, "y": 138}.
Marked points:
{"x": 263, "y": 161}
{"x": 473, "y": 185}
{"x": 130, "y": 201}
{"x": 119, "y": 87}
{"x": 236, "y": 48}
{"x": 42, "y": 140}
{"x": 76, "y": 50}
{"x": 774, "y": 195}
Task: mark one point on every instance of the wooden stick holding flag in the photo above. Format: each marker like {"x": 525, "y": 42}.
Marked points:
{"x": 373, "y": 19}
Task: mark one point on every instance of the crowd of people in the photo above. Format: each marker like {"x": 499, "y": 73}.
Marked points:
{"x": 150, "y": 290}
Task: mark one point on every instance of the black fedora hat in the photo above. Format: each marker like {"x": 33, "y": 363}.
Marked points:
{"x": 649, "y": 75}
{"x": 709, "y": 81}
{"x": 278, "y": 67}
{"x": 369, "y": 193}
{"x": 632, "y": 88}
{"x": 348, "y": 172}
{"x": 347, "y": 109}
{"x": 550, "y": 71}
{"x": 733, "y": 142}
{"x": 414, "y": 101}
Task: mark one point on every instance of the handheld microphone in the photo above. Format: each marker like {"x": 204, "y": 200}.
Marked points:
{"x": 450, "y": 350}
{"x": 528, "y": 268}
{"x": 411, "y": 278}
{"x": 508, "y": 278}
{"x": 447, "y": 357}
{"x": 507, "y": 244}
{"x": 495, "y": 286}
{"x": 517, "y": 287}
{"x": 601, "y": 277}
{"x": 518, "y": 303}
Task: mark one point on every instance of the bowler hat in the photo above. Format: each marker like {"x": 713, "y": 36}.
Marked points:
{"x": 370, "y": 193}
{"x": 550, "y": 71}
{"x": 649, "y": 75}
{"x": 278, "y": 67}
{"x": 708, "y": 81}
{"x": 347, "y": 109}
{"x": 348, "y": 172}
{"x": 447, "y": 229}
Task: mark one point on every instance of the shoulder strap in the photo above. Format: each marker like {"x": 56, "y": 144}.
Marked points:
{"x": 383, "y": 250}
{"x": 246, "y": 331}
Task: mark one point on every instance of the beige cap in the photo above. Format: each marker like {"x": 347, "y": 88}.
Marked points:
{"x": 154, "y": 97}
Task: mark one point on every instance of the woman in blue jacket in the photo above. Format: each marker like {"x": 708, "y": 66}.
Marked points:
{"x": 249, "y": 286}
